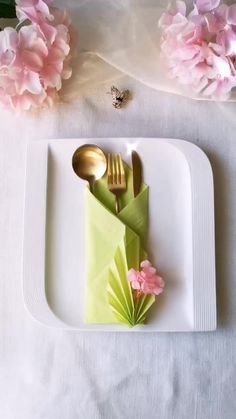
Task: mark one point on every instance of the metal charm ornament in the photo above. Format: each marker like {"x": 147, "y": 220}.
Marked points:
{"x": 119, "y": 97}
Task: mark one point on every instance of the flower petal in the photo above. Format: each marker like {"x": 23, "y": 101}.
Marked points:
{"x": 28, "y": 81}
{"x": 178, "y": 7}
{"x": 32, "y": 60}
{"x": 204, "y": 6}
{"x": 145, "y": 264}
{"x": 231, "y": 15}
{"x": 132, "y": 275}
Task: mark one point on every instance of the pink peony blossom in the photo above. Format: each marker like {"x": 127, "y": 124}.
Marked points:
{"x": 199, "y": 49}
{"x": 146, "y": 281}
{"x": 34, "y": 60}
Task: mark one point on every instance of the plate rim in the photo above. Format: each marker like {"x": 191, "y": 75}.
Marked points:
{"x": 204, "y": 303}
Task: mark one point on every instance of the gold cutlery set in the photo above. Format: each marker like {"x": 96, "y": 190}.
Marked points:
{"x": 90, "y": 163}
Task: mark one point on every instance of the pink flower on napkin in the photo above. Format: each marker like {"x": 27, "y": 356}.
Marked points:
{"x": 146, "y": 281}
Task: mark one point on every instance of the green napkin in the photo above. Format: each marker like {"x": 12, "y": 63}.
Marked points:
{"x": 115, "y": 244}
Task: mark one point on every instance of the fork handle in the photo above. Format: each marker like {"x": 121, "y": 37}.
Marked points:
{"x": 117, "y": 205}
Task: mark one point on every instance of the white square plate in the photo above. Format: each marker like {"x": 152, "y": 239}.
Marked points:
{"x": 181, "y": 237}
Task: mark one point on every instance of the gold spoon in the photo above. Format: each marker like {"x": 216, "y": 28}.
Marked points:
{"x": 89, "y": 163}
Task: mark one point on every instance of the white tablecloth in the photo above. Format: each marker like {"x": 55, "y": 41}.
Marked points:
{"x": 53, "y": 374}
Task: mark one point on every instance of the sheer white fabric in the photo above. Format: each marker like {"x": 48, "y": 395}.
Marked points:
{"x": 119, "y": 37}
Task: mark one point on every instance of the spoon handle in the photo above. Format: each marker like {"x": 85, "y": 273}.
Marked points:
{"x": 91, "y": 185}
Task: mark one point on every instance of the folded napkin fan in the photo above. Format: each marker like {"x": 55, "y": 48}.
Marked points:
{"x": 115, "y": 244}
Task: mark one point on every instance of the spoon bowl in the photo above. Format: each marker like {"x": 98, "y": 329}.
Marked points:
{"x": 89, "y": 163}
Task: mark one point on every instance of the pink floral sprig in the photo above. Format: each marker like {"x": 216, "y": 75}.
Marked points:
{"x": 35, "y": 57}
{"x": 199, "y": 48}
{"x": 146, "y": 281}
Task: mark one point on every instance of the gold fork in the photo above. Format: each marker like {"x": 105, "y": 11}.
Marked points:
{"x": 116, "y": 180}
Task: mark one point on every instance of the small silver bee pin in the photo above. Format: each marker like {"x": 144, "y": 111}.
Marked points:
{"x": 119, "y": 97}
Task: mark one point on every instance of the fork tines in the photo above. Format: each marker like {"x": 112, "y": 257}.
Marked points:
{"x": 115, "y": 171}
{"x": 116, "y": 179}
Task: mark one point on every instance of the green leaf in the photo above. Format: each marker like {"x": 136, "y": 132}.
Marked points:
{"x": 120, "y": 296}
{"x": 7, "y": 9}
{"x": 126, "y": 309}
{"x": 142, "y": 306}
